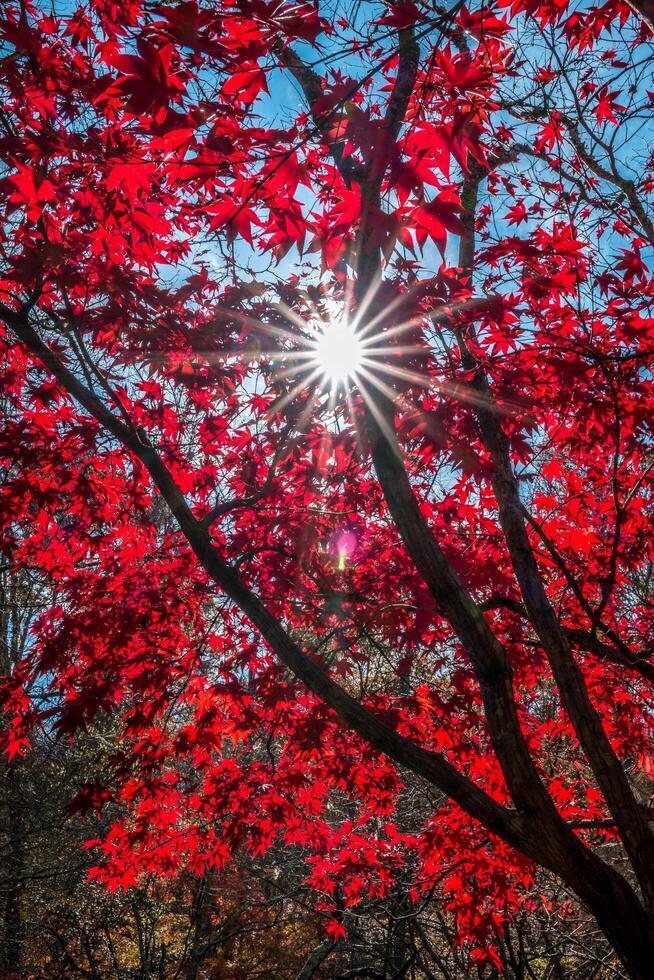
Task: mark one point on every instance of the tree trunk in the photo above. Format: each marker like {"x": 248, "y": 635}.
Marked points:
{"x": 628, "y": 926}
{"x": 201, "y": 920}
{"x": 315, "y": 960}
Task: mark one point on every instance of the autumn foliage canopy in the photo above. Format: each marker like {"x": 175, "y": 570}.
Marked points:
{"x": 295, "y": 589}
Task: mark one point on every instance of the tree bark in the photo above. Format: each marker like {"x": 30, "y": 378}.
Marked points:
{"x": 645, "y": 9}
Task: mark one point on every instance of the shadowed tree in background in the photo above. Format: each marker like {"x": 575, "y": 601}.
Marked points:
{"x": 328, "y": 426}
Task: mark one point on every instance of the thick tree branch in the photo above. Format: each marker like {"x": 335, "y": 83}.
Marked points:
{"x": 595, "y": 883}
{"x": 311, "y": 86}
{"x": 645, "y": 9}
{"x": 582, "y": 638}
{"x": 487, "y": 655}
{"x": 408, "y": 51}
{"x": 607, "y": 768}
{"x": 432, "y": 766}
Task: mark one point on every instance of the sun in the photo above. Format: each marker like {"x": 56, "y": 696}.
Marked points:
{"x": 338, "y": 351}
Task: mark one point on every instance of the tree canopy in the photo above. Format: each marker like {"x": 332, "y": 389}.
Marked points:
{"x": 327, "y": 389}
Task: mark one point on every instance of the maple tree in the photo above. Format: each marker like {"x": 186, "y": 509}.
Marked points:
{"x": 290, "y": 585}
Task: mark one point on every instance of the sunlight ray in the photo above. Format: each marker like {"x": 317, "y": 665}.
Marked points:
{"x": 388, "y": 309}
{"x": 381, "y": 386}
{"x": 355, "y": 420}
{"x": 367, "y": 300}
{"x": 467, "y": 395}
{"x": 434, "y": 314}
{"x": 390, "y": 332}
{"x": 292, "y": 372}
{"x": 248, "y": 320}
{"x": 300, "y": 386}
{"x": 294, "y": 317}
{"x": 305, "y": 416}
{"x": 383, "y": 424}
{"x": 388, "y": 351}
{"x": 402, "y": 373}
